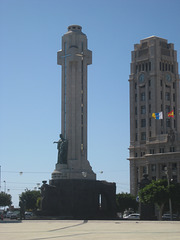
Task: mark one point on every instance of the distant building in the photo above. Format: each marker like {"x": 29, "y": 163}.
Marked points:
{"x": 154, "y": 88}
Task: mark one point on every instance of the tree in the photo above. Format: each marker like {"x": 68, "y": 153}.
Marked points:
{"x": 5, "y": 199}
{"x": 157, "y": 192}
{"x": 29, "y": 199}
{"x": 174, "y": 192}
{"x": 125, "y": 201}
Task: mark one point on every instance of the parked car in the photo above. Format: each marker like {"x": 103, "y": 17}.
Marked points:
{"x": 133, "y": 216}
{"x": 8, "y": 214}
{"x": 28, "y": 215}
{"x": 15, "y": 215}
{"x": 167, "y": 216}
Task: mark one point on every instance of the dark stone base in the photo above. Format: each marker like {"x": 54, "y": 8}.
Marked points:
{"x": 79, "y": 199}
{"x": 147, "y": 211}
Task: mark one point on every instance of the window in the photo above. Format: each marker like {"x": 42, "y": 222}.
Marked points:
{"x": 174, "y": 177}
{"x": 161, "y": 83}
{"x": 143, "y": 96}
{"x": 153, "y": 168}
{"x": 168, "y": 123}
{"x": 136, "y": 124}
{"x": 142, "y": 154}
{"x": 146, "y": 67}
{"x": 174, "y": 85}
{"x": 143, "y": 122}
{"x": 174, "y": 166}
{"x": 135, "y": 110}
{"x": 149, "y": 122}
{"x": 149, "y": 66}
{"x": 135, "y": 97}
{"x": 167, "y": 108}
{"x": 166, "y": 66}
{"x": 135, "y": 85}
{"x": 169, "y": 67}
{"x": 143, "y": 136}
{"x": 172, "y": 149}
{"x": 149, "y": 95}
{"x": 143, "y": 67}
{"x": 144, "y": 169}
{"x": 167, "y": 96}
{"x": 174, "y": 97}
{"x": 151, "y": 151}
{"x": 161, "y": 150}
{"x": 149, "y": 133}
{"x": 149, "y": 108}
{"x": 136, "y": 137}
{"x": 149, "y": 83}
{"x": 162, "y": 124}
{"x": 136, "y": 154}
{"x": 143, "y": 109}
{"x": 136, "y": 68}
{"x": 174, "y": 110}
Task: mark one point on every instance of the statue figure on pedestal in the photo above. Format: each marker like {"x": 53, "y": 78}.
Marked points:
{"x": 62, "y": 146}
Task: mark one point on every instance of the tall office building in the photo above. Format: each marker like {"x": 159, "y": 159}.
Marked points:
{"x": 154, "y": 88}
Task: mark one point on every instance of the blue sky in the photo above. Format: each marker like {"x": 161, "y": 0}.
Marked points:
{"x": 30, "y": 96}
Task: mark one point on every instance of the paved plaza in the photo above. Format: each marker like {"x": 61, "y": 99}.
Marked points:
{"x": 93, "y": 230}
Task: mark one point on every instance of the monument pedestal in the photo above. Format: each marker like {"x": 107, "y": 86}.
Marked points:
{"x": 62, "y": 171}
{"x": 79, "y": 199}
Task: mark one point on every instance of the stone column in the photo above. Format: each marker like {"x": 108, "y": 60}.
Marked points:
{"x": 74, "y": 58}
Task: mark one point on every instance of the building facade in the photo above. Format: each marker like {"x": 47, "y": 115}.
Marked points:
{"x": 154, "y": 88}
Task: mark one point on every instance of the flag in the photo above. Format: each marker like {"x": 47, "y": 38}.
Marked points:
{"x": 157, "y": 115}
{"x": 171, "y": 114}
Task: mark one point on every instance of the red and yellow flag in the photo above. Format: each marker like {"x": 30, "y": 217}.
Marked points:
{"x": 171, "y": 114}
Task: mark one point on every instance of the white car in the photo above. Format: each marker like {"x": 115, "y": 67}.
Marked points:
{"x": 133, "y": 216}
{"x": 8, "y": 214}
{"x": 28, "y": 215}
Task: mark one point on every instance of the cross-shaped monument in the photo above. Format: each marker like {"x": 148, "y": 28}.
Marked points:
{"x": 74, "y": 58}
{"x": 73, "y": 192}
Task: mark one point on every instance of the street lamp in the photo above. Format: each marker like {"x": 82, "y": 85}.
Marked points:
{"x": 170, "y": 202}
{"x": 4, "y": 186}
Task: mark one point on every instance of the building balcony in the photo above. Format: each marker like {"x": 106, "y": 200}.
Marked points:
{"x": 158, "y": 138}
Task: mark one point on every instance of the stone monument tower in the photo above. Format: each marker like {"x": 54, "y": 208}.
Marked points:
{"x": 73, "y": 192}
{"x": 72, "y": 147}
